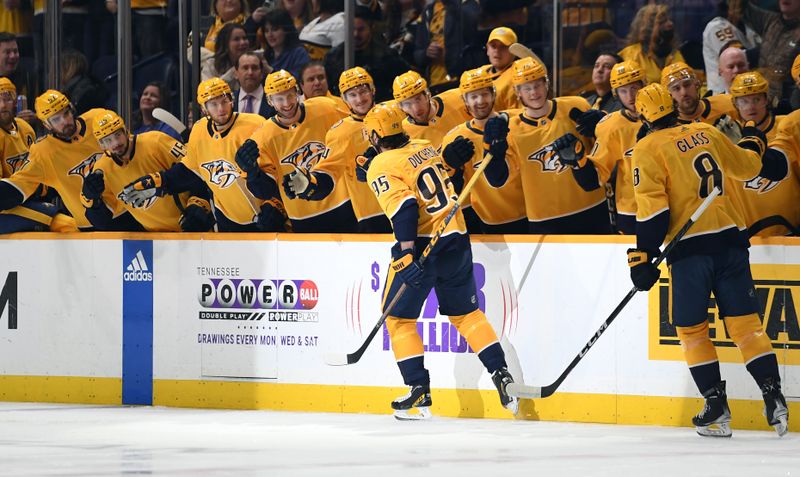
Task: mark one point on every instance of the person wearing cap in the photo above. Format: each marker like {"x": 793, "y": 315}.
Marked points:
{"x": 282, "y": 156}
{"x": 500, "y": 61}
{"x": 682, "y": 83}
{"x": 128, "y": 157}
{"x": 212, "y": 145}
{"x": 427, "y": 117}
{"x": 61, "y": 160}
{"x": 554, "y": 202}
{"x": 16, "y": 138}
{"x": 497, "y": 197}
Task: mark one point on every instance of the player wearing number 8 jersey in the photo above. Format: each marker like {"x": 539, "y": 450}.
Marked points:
{"x": 413, "y": 189}
{"x": 674, "y": 168}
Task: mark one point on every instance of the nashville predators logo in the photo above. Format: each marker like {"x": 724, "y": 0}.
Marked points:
{"x": 147, "y": 203}
{"x": 84, "y": 168}
{"x": 17, "y": 162}
{"x": 221, "y": 172}
{"x": 307, "y": 155}
{"x": 761, "y": 184}
{"x": 549, "y": 160}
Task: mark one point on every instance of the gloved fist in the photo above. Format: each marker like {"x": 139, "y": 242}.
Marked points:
{"x": 405, "y": 267}
{"x": 729, "y": 127}
{"x": 570, "y": 150}
{"x": 458, "y": 152}
{"x": 753, "y": 138}
{"x": 586, "y": 121}
{"x": 299, "y": 183}
{"x": 643, "y": 273}
{"x": 362, "y": 163}
{"x": 93, "y": 185}
{"x": 197, "y": 216}
{"x": 138, "y": 192}
{"x": 496, "y": 129}
{"x": 247, "y": 157}
{"x": 272, "y": 217}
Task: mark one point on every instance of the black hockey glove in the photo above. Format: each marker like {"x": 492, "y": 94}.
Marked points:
{"x": 197, "y": 216}
{"x": 458, "y": 152}
{"x": 93, "y": 185}
{"x": 495, "y": 136}
{"x": 643, "y": 273}
{"x": 405, "y": 267}
{"x": 362, "y": 163}
{"x": 272, "y": 217}
{"x": 753, "y": 139}
{"x": 570, "y": 150}
{"x": 586, "y": 121}
{"x": 247, "y": 157}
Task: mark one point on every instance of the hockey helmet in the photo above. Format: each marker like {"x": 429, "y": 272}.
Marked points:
{"x": 385, "y": 119}
{"x": 625, "y": 73}
{"x": 353, "y": 77}
{"x": 676, "y": 72}
{"x": 106, "y": 124}
{"x": 653, "y": 102}
{"x": 212, "y": 88}
{"x": 748, "y": 83}
{"x": 796, "y": 69}
{"x": 278, "y": 82}
{"x": 473, "y": 80}
{"x": 6, "y": 86}
{"x": 49, "y": 103}
{"x": 527, "y": 70}
{"x": 408, "y": 85}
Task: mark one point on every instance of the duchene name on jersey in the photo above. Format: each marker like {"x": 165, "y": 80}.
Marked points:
{"x": 778, "y": 293}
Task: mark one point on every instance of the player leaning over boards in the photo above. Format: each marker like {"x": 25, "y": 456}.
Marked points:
{"x": 610, "y": 158}
{"x": 60, "y": 160}
{"x": 293, "y": 142}
{"x": 409, "y": 179}
{"x": 674, "y": 168}
{"x": 16, "y": 137}
{"x": 127, "y": 157}
{"x": 345, "y": 142}
{"x": 497, "y": 196}
{"x": 209, "y": 161}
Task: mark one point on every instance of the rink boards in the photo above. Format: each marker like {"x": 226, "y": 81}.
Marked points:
{"x": 242, "y": 321}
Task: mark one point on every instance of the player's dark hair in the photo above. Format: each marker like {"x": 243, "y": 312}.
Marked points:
{"x": 394, "y": 141}
{"x": 6, "y": 37}
{"x": 667, "y": 121}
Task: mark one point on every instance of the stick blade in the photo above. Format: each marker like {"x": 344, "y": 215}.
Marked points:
{"x": 522, "y": 391}
{"x": 336, "y": 359}
{"x": 169, "y": 119}
{"x": 521, "y": 51}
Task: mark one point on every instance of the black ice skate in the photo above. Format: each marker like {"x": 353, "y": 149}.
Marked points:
{"x": 418, "y": 401}
{"x": 714, "y": 420}
{"x": 775, "y": 408}
{"x": 502, "y": 378}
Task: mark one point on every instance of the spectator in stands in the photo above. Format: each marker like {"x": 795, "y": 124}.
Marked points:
{"x": 732, "y": 61}
{"x": 500, "y": 61}
{"x": 282, "y": 49}
{"x": 402, "y": 23}
{"x": 151, "y": 99}
{"x": 249, "y": 98}
{"x": 371, "y": 53}
{"x": 149, "y": 22}
{"x": 602, "y": 98}
{"x": 326, "y": 31}
{"x": 84, "y": 91}
{"x": 780, "y": 35}
{"x": 76, "y": 32}
{"x": 651, "y": 41}
{"x": 231, "y": 43}
{"x": 232, "y": 11}
{"x": 15, "y": 18}
{"x": 299, "y": 10}
{"x": 25, "y": 79}
{"x": 446, "y": 27}
{"x": 314, "y": 82}
{"x": 725, "y": 30}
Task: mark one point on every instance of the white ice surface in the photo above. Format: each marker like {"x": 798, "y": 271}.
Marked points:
{"x": 47, "y": 439}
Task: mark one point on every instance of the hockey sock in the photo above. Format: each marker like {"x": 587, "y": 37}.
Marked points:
{"x": 480, "y": 335}
{"x": 700, "y": 355}
{"x": 408, "y": 350}
{"x": 748, "y": 334}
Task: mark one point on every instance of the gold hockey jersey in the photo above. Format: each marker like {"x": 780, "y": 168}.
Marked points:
{"x": 616, "y": 136}
{"x": 450, "y": 113}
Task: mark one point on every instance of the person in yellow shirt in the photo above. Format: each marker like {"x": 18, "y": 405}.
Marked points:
{"x": 286, "y": 150}
{"x": 500, "y": 61}
{"x": 212, "y": 145}
{"x": 651, "y": 41}
{"x": 554, "y": 202}
{"x": 684, "y": 86}
{"x": 412, "y": 186}
{"x": 675, "y": 168}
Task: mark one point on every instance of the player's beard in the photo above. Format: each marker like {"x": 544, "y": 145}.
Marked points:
{"x": 292, "y": 114}
{"x": 6, "y": 118}
{"x": 688, "y": 106}
{"x": 482, "y": 112}
{"x": 68, "y": 131}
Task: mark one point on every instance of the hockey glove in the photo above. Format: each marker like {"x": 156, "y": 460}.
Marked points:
{"x": 197, "y": 216}
{"x": 92, "y": 191}
{"x": 405, "y": 267}
{"x": 586, "y": 121}
{"x": 272, "y": 217}
{"x": 729, "y": 127}
{"x": 642, "y": 132}
{"x": 299, "y": 183}
{"x": 495, "y": 136}
{"x": 362, "y": 163}
{"x": 643, "y": 273}
{"x": 753, "y": 139}
{"x": 138, "y": 192}
{"x": 247, "y": 157}
{"x": 458, "y": 152}
{"x": 570, "y": 150}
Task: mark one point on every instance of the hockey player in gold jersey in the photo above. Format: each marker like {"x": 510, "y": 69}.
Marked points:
{"x": 674, "y": 168}
{"x": 684, "y": 86}
{"x": 554, "y": 202}
{"x": 292, "y": 143}
{"x": 127, "y": 158}
{"x": 609, "y": 162}
{"x": 497, "y": 197}
{"x": 429, "y": 117}
{"x": 16, "y": 138}
{"x": 345, "y": 142}
{"x": 769, "y": 207}
{"x": 409, "y": 179}
{"x": 209, "y": 160}
{"x": 59, "y": 161}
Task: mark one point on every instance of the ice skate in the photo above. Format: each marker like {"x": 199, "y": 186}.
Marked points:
{"x": 714, "y": 420}
{"x": 414, "y": 406}
{"x": 502, "y": 378}
{"x": 775, "y": 408}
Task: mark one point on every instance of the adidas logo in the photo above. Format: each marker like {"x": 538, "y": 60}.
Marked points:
{"x": 137, "y": 270}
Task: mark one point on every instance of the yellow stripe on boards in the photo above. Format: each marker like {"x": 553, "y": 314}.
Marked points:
{"x": 64, "y": 389}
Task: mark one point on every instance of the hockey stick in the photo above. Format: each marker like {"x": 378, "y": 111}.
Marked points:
{"x": 533, "y": 392}
{"x": 521, "y": 51}
{"x": 170, "y": 120}
{"x": 342, "y": 359}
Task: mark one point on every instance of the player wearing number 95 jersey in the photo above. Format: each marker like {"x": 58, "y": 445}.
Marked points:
{"x": 675, "y": 167}
{"x": 413, "y": 189}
